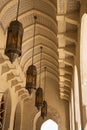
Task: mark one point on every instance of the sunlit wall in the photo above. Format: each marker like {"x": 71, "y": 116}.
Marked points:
{"x": 83, "y": 63}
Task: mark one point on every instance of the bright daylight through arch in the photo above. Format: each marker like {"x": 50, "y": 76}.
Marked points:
{"x": 49, "y": 125}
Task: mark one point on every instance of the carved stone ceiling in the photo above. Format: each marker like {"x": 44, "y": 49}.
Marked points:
{"x": 56, "y": 30}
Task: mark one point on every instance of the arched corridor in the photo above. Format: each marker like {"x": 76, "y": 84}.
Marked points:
{"x": 48, "y": 86}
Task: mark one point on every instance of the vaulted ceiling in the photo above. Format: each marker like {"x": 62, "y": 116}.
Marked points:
{"x": 56, "y": 30}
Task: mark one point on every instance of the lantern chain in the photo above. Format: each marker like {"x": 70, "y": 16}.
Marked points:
{"x": 44, "y": 81}
{"x": 34, "y": 37}
{"x": 18, "y": 9}
{"x": 40, "y": 67}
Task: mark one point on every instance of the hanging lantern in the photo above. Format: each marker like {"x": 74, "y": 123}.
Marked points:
{"x": 44, "y": 106}
{"x": 31, "y": 78}
{"x": 14, "y": 39}
{"x": 44, "y": 109}
{"x": 31, "y": 74}
{"x": 39, "y": 91}
{"x": 39, "y": 98}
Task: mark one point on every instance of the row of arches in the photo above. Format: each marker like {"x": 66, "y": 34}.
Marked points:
{"x": 6, "y": 118}
{"x": 6, "y": 101}
{"x": 79, "y": 102}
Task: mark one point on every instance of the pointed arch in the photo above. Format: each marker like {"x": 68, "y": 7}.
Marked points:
{"x": 51, "y": 114}
{"x": 49, "y": 124}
